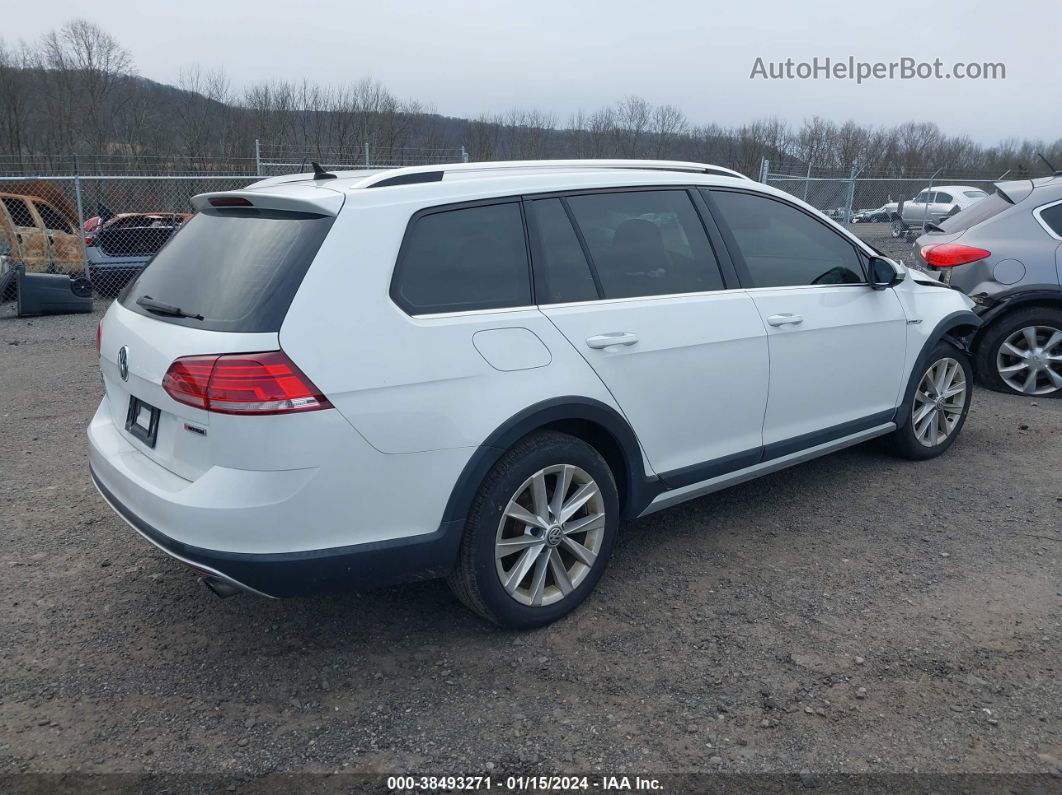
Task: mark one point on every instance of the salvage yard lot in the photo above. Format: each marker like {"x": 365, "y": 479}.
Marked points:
{"x": 858, "y": 613}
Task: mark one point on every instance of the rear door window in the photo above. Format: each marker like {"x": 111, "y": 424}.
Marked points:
{"x": 561, "y": 271}
{"x": 646, "y": 243}
{"x": 462, "y": 260}
{"x": 19, "y": 212}
{"x": 238, "y": 268}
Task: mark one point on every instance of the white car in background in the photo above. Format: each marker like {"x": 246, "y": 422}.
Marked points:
{"x": 933, "y": 205}
{"x": 476, "y": 371}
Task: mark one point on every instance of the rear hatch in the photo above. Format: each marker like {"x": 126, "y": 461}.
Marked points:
{"x": 221, "y": 285}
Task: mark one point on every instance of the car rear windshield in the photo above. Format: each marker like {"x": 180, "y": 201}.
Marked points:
{"x": 237, "y": 268}
{"x": 976, "y": 213}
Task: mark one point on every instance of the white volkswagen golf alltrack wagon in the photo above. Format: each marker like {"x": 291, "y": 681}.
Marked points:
{"x": 476, "y": 371}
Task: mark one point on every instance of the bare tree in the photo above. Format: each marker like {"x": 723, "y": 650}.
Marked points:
{"x": 632, "y": 116}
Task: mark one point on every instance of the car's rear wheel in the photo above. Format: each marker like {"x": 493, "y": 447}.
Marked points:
{"x": 539, "y": 533}
{"x": 898, "y": 228}
{"x": 937, "y": 404}
{"x": 1022, "y": 353}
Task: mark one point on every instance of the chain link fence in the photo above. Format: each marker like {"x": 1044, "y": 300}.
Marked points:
{"x": 884, "y": 208}
{"x": 106, "y": 226}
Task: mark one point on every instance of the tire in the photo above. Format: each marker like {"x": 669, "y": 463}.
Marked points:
{"x": 554, "y": 580}
{"x": 898, "y": 229}
{"x": 1041, "y": 326}
{"x": 935, "y": 417}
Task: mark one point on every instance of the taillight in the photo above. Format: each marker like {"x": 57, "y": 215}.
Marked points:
{"x": 99, "y": 337}
{"x": 948, "y": 255}
{"x": 243, "y": 383}
{"x": 230, "y": 201}
{"x": 90, "y": 241}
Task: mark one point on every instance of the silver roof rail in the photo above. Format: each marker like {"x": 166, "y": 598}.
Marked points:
{"x": 434, "y": 173}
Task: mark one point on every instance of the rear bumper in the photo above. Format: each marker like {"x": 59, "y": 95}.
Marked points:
{"x": 299, "y": 573}
{"x": 354, "y": 522}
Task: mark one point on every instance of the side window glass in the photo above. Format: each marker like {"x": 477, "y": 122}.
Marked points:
{"x": 19, "y": 212}
{"x": 1053, "y": 218}
{"x": 943, "y": 198}
{"x": 783, "y": 246}
{"x": 646, "y": 243}
{"x": 921, "y": 198}
{"x": 560, "y": 265}
{"x": 463, "y": 260}
{"x": 52, "y": 218}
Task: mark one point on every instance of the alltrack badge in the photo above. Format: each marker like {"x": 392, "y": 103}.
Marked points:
{"x": 123, "y": 362}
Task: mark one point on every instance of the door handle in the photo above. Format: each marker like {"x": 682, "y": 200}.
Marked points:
{"x": 611, "y": 338}
{"x": 784, "y": 320}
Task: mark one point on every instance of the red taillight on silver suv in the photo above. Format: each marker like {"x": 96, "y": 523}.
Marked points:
{"x": 949, "y": 255}
{"x": 243, "y": 383}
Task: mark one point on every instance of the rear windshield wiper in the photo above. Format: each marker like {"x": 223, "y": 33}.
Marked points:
{"x": 159, "y": 308}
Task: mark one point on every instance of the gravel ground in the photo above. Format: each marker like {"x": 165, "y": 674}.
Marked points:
{"x": 858, "y": 613}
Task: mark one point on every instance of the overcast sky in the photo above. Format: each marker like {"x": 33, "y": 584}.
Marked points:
{"x": 477, "y": 56}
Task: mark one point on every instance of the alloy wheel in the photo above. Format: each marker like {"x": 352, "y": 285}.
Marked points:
{"x": 1030, "y": 360}
{"x": 939, "y": 401}
{"x": 550, "y": 535}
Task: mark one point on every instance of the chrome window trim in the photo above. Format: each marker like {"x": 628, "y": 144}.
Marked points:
{"x": 1037, "y": 214}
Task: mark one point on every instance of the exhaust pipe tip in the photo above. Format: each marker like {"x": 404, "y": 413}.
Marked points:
{"x": 220, "y": 588}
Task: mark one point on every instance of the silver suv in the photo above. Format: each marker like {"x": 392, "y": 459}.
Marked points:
{"x": 1005, "y": 252}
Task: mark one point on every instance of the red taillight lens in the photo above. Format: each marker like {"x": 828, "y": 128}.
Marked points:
{"x": 90, "y": 241}
{"x": 948, "y": 255}
{"x": 243, "y": 383}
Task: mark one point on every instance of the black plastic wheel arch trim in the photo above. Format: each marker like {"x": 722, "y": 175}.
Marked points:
{"x": 640, "y": 489}
{"x": 963, "y": 318}
{"x": 1018, "y": 299}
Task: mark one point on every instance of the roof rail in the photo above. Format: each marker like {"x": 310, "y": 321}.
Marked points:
{"x": 434, "y": 173}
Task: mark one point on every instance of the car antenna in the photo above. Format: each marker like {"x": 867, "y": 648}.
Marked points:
{"x": 320, "y": 173}
{"x": 1054, "y": 172}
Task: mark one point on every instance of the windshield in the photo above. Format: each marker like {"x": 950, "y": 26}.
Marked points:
{"x": 975, "y": 213}
{"x": 239, "y": 269}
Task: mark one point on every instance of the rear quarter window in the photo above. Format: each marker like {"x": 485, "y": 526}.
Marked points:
{"x": 463, "y": 259}
{"x": 1052, "y": 217}
{"x": 239, "y": 268}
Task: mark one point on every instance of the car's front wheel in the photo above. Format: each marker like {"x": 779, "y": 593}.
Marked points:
{"x": 539, "y": 532}
{"x": 1022, "y": 353}
{"x": 936, "y": 405}
{"x": 899, "y": 229}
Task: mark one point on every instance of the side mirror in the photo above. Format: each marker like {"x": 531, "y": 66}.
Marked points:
{"x": 884, "y": 273}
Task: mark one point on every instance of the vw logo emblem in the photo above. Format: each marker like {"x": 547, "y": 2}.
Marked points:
{"x": 123, "y": 362}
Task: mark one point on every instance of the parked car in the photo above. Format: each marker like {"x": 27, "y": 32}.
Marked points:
{"x": 475, "y": 371}
{"x": 1006, "y": 252}
{"x": 933, "y": 206}
{"x": 880, "y": 215}
{"x": 39, "y": 235}
{"x": 118, "y": 247}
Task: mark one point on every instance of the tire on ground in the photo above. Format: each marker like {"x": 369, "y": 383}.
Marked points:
{"x": 475, "y": 580}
